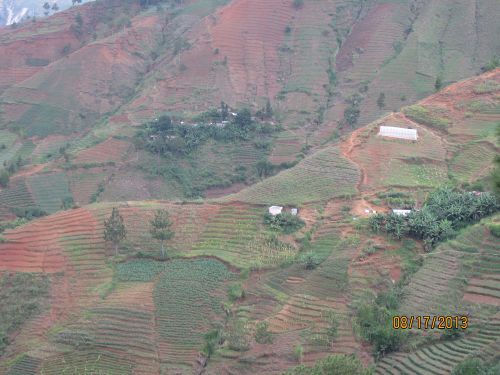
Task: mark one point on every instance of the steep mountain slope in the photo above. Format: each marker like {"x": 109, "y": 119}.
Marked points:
{"x": 96, "y": 71}
{"x": 14, "y": 11}
{"x": 136, "y": 314}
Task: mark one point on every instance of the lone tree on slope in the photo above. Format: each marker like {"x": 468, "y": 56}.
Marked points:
{"x": 114, "y": 229}
{"x": 160, "y": 228}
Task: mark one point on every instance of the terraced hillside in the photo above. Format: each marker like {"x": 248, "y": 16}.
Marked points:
{"x": 458, "y": 278}
{"x": 236, "y": 293}
{"x": 73, "y": 81}
{"x": 456, "y": 139}
{"x": 321, "y": 177}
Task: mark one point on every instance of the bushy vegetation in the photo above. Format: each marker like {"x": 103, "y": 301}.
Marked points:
{"x": 397, "y": 199}
{"x": 262, "y": 335}
{"x": 29, "y": 213}
{"x": 352, "y": 111}
{"x": 444, "y": 212}
{"x": 474, "y": 366}
{"x": 310, "y": 260}
{"x": 425, "y": 116}
{"x": 338, "y": 364}
{"x": 10, "y": 224}
{"x": 21, "y": 297}
{"x": 284, "y": 222}
{"x": 235, "y": 292}
{"x": 164, "y": 136}
{"x": 374, "y": 322}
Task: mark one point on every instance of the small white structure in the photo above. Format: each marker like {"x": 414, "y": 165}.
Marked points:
{"x": 401, "y": 212}
{"x": 275, "y": 210}
{"x": 294, "y": 211}
{"x": 401, "y": 133}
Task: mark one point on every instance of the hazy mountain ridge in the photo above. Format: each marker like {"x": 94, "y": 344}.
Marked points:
{"x": 14, "y": 11}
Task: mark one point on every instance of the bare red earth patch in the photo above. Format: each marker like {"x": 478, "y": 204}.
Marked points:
{"x": 111, "y": 150}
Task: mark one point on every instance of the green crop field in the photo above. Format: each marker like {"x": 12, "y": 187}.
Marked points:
{"x": 473, "y": 161}
{"x": 17, "y": 195}
{"x": 49, "y": 190}
{"x": 195, "y": 286}
{"x": 322, "y": 176}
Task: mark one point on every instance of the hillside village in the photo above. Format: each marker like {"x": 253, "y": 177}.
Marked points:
{"x": 251, "y": 187}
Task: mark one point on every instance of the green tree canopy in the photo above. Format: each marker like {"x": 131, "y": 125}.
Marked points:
{"x": 160, "y": 228}
{"x": 114, "y": 229}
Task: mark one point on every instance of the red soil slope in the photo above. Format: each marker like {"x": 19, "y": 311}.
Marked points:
{"x": 89, "y": 82}
{"x": 249, "y": 33}
{"x": 111, "y": 150}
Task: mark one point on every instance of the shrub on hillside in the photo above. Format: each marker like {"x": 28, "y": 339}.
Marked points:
{"x": 374, "y": 322}
{"x": 29, "y": 212}
{"x": 262, "y": 335}
{"x": 310, "y": 260}
{"x": 494, "y": 229}
{"x": 235, "y": 292}
{"x": 236, "y": 334}
{"x": 4, "y": 178}
{"x": 284, "y": 222}
{"x": 470, "y": 366}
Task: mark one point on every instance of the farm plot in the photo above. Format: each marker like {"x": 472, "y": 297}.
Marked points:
{"x": 111, "y": 150}
{"x": 188, "y": 298}
{"x": 84, "y": 183}
{"x": 231, "y": 235}
{"x": 322, "y": 176}
{"x": 49, "y": 147}
{"x": 128, "y": 332}
{"x": 439, "y": 285}
{"x": 49, "y": 190}
{"x": 399, "y": 163}
{"x": 25, "y": 365}
{"x": 472, "y": 162}
{"x": 87, "y": 362}
{"x": 17, "y": 194}
{"x": 188, "y": 223}
{"x": 442, "y": 357}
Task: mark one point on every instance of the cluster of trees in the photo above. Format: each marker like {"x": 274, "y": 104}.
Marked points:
{"x": 284, "y": 222}
{"x": 352, "y": 111}
{"x": 54, "y": 7}
{"x": 163, "y": 136}
{"x": 444, "y": 212}
{"x": 115, "y": 231}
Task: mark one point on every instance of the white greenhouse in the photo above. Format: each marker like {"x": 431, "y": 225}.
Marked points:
{"x": 402, "y": 133}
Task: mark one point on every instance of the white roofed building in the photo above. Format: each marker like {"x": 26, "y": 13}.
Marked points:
{"x": 401, "y": 212}
{"x": 275, "y": 210}
{"x": 401, "y": 133}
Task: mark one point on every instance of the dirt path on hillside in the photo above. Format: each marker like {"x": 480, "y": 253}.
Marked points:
{"x": 30, "y": 171}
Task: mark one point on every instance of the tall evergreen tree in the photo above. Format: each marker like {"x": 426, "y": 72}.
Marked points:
{"x": 114, "y": 229}
{"x": 160, "y": 228}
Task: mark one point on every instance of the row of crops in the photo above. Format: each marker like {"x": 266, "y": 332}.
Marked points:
{"x": 230, "y": 235}
{"x": 46, "y": 191}
{"x": 323, "y": 176}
